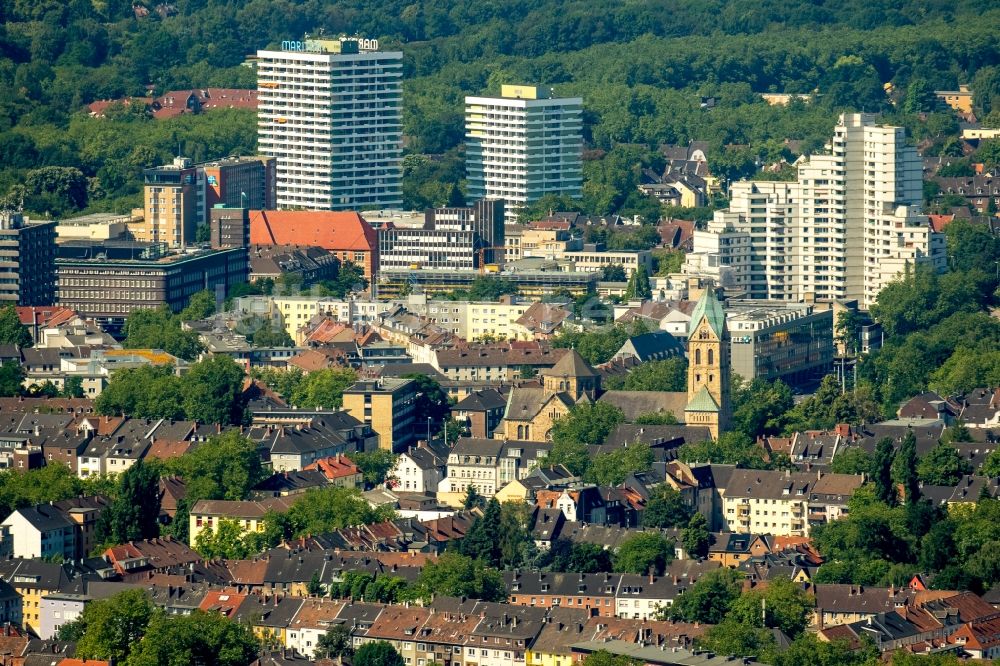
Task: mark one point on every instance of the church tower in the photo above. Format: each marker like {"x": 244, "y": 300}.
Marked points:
{"x": 708, "y": 366}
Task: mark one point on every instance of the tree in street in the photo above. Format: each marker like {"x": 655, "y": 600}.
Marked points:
{"x": 110, "y": 628}
{"x": 731, "y": 448}
{"x": 226, "y": 467}
{"x": 612, "y": 468}
{"x": 638, "y": 285}
{"x": 943, "y": 466}
{"x": 324, "y": 388}
{"x": 12, "y": 331}
{"x": 201, "y": 305}
{"x": 11, "y": 376}
{"x": 885, "y": 489}
{"x": 666, "y": 508}
{"x": 667, "y": 375}
{"x": 335, "y": 643}
{"x": 374, "y": 465}
{"x": 565, "y": 555}
{"x": 852, "y": 460}
{"x": 377, "y": 653}
{"x": 227, "y": 540}
{"x": 709, "y": 599}
{"x": 481, "y": 542}
{"x": 161, "y": 329}
{"x": 696, "y": 537}
{"x": 585, "y": 424}
{"x": 644, "y": 552}
{"x": 456, "y": 575}
{"x": 472, "y": 498}
{"x": 208, "y": 639}
{"x": 781, "y": 605}
{"x": 904, "y": 468}
{"x": 135, "y": 511}
{"x": 432, "y": 401}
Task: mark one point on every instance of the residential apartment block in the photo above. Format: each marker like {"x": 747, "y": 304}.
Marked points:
{"x": 178, "y": 197}
{"x": 249, "y": 516}
{"x": 388, "y": 405}
{"x": 522, "y": 145}
{"x": 785, "y": 503}
{"x": 329, "y": 112}
{"x": 27, "y": 260}
{"x": 848, "y": 226}
{"x": 720, "y": 253}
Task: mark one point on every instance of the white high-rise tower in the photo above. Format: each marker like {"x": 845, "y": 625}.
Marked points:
{"x": 330, "y": 114}
{"x": 523, "y": 145}
{"x": 847, "y": 227}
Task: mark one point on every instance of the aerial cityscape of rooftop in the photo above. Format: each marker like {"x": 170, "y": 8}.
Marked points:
{"x": 523, "y": 334}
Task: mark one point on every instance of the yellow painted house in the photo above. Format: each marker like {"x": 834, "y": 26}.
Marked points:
{"x": 208, "y": 514}
{"x": 515, "y": 491}
{"x": 32, "y": 580}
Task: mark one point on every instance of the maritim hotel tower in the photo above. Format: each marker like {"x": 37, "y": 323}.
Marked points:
{"x": 523, "y": 145}
{"x": 330, "y": 114}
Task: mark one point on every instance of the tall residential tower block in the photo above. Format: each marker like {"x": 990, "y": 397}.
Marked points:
{"x": 329, "y": 111}
{"x": 523, "y": 145}
{"x": 848, "y": 225}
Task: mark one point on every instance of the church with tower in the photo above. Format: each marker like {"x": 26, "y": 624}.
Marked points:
{"x": 532, "y": 409}
{"x": 708, "y": 383}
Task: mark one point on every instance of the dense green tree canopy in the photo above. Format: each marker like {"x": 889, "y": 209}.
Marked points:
{"x": 586, "y": 424}
{"x": 210, "y": 392}
{"x": 565, "y": 555}
{"x": 135, "y": 511}
{"x": 709, "y": 599}
{"x": 378, "y": 653}
{"x": 458, "y": 575}
{"x": 323, "y": 388}
{"x": 644, "y": 552}
{"x": 666, "y": 508}
{"x": 161, "y": 329}
{"x": 199, "y": 638}
{"x": 12, "y": 331}
{"x": 666, "y": 375}
{"x": 110, "y": 628}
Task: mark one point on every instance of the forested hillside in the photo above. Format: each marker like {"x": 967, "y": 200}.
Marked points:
{"x": 643, "y": 69}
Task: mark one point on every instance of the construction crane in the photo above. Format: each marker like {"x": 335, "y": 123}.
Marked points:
{"x": 481, "y": 254}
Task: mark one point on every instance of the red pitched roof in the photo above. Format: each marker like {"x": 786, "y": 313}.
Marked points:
{"x": 311, "y": 360}
{"x": 159, "y": 553}
{"x": 330, "y": 230}
{"x": 44, "y": 315}
{"x": 334, "y": 467}
{"x": 229, "y": 98}
{"x": 939, "y": 222}
{"x": 223, "y": 601}
{"x": 676, "y": 233}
